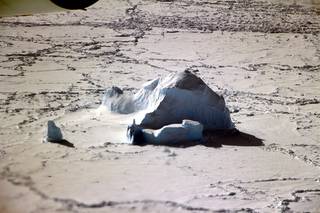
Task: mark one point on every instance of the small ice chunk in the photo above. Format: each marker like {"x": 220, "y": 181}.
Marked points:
{"x": 170, "y": 134}
{"x": 54, "y": 133}
{"x": 174, "y": 133}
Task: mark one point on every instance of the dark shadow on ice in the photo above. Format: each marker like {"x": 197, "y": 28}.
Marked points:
{"x": 218, "y": 138}
{"x": 63, "y": 143}
{"x": 231, "y": 137}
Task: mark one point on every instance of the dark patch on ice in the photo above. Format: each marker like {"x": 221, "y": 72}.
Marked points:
{"x": 63, "y": 142}
{"x": 232, "y": 137}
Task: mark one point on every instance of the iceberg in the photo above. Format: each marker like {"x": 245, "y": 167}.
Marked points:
{"x": 170, "y": 100}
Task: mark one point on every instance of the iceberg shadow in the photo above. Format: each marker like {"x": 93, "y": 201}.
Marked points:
{"x": 232, "y": 137}
{"x": 217, "y": 139}
{"x": 64, "y": 142}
